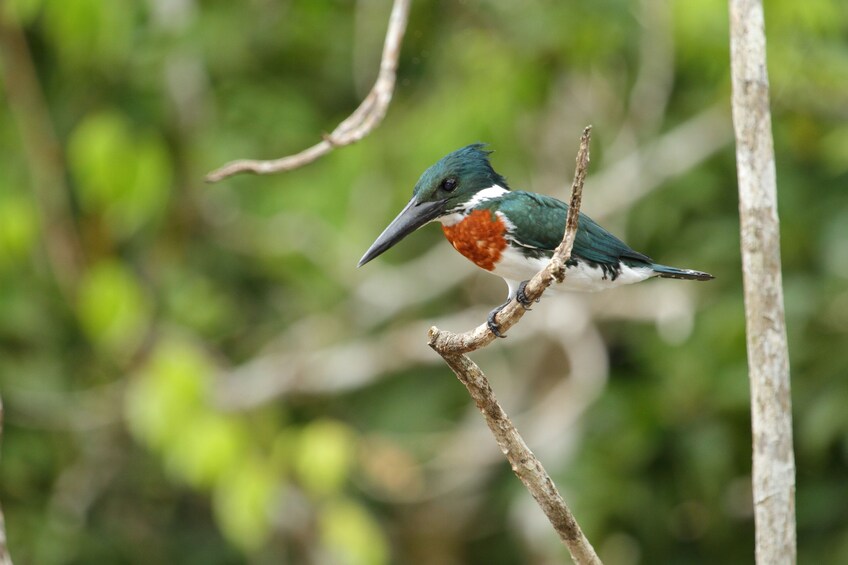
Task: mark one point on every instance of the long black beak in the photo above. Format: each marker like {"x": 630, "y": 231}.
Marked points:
{"x": 413, "y": 216}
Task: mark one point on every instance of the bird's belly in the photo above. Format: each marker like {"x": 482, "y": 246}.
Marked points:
{"x": 582, "y": 277}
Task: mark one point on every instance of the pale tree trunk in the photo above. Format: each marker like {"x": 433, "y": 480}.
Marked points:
{"x": 768, "y": 356}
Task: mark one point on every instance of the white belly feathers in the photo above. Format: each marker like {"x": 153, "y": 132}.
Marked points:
{"x": 514, "y": 267}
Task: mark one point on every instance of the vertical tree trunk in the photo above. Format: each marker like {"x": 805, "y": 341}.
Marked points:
{"x": 768, "y": 356}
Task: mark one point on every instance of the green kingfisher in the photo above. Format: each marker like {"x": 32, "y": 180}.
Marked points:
{"x": 512, "y": 233}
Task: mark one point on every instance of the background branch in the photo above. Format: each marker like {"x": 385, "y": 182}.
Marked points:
{"x": 360, "y": 123}
{"x": 452, "y": 348}
{"x": 43, "y": 154}
{"x": 768, "y": 355}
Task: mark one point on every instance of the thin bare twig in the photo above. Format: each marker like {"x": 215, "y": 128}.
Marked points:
{"x": 360, "y": 123}
{"x": 453, "y": 346}
{"x": 768, "y": 353}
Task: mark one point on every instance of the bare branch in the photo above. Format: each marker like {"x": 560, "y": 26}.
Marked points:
{"x": 768, "y": 354}
{"x": 360, "y": 123}
{"x": 452, "y": 346}
{"x": 524, "y": 463}
{"x": 563, "y": 251}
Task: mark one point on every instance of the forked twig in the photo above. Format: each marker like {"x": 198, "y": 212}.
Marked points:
{"x": 360, "y": 123}
{"x": 452, "y": 348}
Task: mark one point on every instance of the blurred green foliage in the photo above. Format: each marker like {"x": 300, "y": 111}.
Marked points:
{"x": 121, "y": 444}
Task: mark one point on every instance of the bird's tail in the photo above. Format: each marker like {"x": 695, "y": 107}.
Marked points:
{"x": 667, "y": 272}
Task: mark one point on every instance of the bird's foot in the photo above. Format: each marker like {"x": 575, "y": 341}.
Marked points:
{"x": 521, "y": 297}
{"x": 493, "y": 326}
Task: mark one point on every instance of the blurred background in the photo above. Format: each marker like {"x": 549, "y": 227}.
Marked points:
{"x": 199, "y": 374}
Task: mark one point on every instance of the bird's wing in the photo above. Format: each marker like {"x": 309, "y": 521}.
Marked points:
{"x": 540, "y": 223}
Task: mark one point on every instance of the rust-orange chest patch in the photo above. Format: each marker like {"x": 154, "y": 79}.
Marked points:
{"x": 479, "y": 237}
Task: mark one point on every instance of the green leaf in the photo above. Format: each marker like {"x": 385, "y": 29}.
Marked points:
{"x": 123, "y": 176}
{"x": 113, "y": 309}
{"x": 147, "y": 188}
{"x": 18, "y": 229}
{"x": 324, "y": 456}
{"x": 207, "y": 448}
{"x": 97, "y": 150}
{"x": 242, "y": 501}
{"x": 350, "y": 532}
{"x": 89, "y": 33}
{"x": 168, "y": 393}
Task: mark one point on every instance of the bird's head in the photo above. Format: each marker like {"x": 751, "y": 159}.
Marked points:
{"x": 445, "y": 188}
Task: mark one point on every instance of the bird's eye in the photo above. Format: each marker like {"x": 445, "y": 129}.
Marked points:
{"x": 449, "y": 184}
